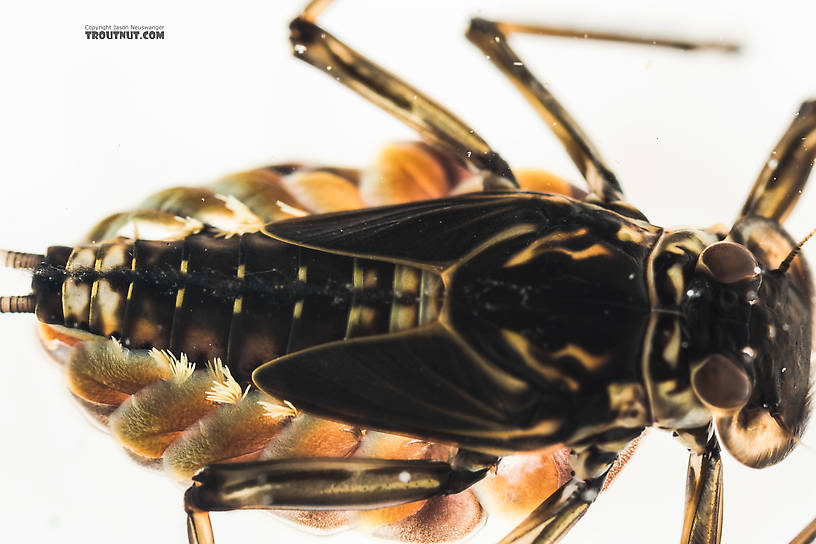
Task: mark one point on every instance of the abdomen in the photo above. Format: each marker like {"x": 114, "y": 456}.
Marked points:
{"x": 245, "y": 299}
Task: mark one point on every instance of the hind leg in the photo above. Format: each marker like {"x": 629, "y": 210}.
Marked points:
{"x": 327, "y": 484}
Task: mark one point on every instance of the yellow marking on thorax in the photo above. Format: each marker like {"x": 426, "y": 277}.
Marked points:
{"x": 552, "y": 243}
{"x": 627, "y": 233}
{"x": 506, "y": 234}
{"x": 671, "y": 353}
{"x": 595, "y": 250}
{"x": 527, "y": 351}
{"x": 561, "y": 235}
{"x": 675, "y": 275}
{"x": 587, "y": 360}
{"x": 534, "y": 249}
{"x": 628, "y": 401}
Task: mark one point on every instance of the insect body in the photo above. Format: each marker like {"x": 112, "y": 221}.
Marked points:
{"x": 364, "y": 304}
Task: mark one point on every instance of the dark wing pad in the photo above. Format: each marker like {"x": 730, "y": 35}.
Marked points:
{"x": 433, "y": 233}
{"x": 425, "y": 383}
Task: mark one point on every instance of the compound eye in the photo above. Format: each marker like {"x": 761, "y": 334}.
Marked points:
{"x": 721, "y": 384}
{"x": 727, "y": 262}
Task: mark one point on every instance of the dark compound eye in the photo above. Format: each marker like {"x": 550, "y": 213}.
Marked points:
{"x": 727, "y": 262}
{"x": 721, "y": 383}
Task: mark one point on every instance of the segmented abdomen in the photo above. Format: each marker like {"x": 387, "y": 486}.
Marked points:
{"x": 245, "y": 300}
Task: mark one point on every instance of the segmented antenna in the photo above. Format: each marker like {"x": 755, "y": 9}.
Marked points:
{"x": 783, "y": 267}
{"x": 16, "y": 259}
{"x": 17, "y": 304}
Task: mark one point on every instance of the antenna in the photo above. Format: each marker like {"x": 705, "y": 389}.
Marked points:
{"x": 783, "y": 267}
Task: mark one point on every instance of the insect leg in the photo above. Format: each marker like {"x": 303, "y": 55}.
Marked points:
{"x": 702, "y": 522}
{"x": 782, "y": 179}
{"x": 807, "y": 536}
{"x": 490, "y": 37}
{"x": 552, "y": 520}
{"x": 318, "y": 483}
{"x": 411, "y": 171}
{"x": 401, "y": 172}
{"x": 435, "y": 124}
{"x": 554, "y": 517}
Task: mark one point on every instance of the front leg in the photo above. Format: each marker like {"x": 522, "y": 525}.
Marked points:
{"x": 702, "y": 523}
{"x": 594, "y": 468}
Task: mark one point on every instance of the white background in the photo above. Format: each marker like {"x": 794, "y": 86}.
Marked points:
{"x": 91, "y": 127}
